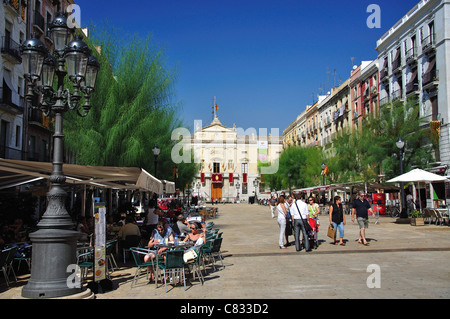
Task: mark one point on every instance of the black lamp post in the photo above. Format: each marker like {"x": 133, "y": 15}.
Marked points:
{"x": 323, "y": 175}
{"x": 401, "y": 147}
{"x": 156, "y": 150}
{"x": 55, "y": 242}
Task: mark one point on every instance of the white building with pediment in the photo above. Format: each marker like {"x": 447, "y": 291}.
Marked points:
{"x": 229, "y": 160}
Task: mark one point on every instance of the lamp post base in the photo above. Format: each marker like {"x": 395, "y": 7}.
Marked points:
{"x": 53, "y": 251}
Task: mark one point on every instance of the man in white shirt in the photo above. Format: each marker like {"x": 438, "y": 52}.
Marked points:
{"x": 300, "y": 207}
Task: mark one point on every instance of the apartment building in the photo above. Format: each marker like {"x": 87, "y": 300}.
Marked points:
{"x": 364, "y": 88}
{"x": 13, "y": 21}
{"x": 26, "y": 133}
{"x": 334, "y": 115}
{"x": 414, "y": 63}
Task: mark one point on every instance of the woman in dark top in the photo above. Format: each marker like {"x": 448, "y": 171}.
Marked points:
{"x": 337, "y": 219}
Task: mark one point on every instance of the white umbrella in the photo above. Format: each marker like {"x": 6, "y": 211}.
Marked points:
{"x": 418, "y": 175}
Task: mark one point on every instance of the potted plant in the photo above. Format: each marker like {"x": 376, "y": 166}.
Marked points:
{"x": 417, "y": 218}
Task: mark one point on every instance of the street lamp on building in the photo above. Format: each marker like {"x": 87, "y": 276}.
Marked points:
{"x": 156, "y": 150}
{"x": 55, "y": 241}
{"x": 401, "y": 147}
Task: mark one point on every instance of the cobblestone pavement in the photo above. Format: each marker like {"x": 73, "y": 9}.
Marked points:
{"x": 406, "y": 261}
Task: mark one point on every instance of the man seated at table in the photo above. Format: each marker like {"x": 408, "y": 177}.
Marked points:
{"x": 182, "y": 226}
{"x": 159, "y": 235}
{"x": 130, "y": 228}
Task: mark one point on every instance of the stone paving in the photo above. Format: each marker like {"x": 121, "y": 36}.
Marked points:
{"x": 407, "y": 262}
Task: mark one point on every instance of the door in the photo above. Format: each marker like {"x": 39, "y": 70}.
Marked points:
{"x": 216, "y": 192}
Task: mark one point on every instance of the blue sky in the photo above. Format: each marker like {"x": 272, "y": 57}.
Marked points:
{"x": 262, "y": 60}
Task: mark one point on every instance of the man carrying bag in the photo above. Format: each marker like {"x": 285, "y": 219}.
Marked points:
{"x": 299, "y": 215}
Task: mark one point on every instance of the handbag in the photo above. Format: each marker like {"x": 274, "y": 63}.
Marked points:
{"x": 331, "y": 231}
{"x": 190, "y": 255}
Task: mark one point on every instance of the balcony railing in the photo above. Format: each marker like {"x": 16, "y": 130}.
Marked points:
{"x": 6, "y": 98}
{"x": 429, "y": 43}
{"x": 430, "y": 76}
{"x": 11, "y": 48}
{"x": 396, "y": 64}
{"x": 411, "y": 55}
{"x": 39, "y": 21}
{"x": 397, "y": 95}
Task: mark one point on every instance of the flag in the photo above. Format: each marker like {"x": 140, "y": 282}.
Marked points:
{"x": 325, "y": 171}
{"x": 215, "y": 106}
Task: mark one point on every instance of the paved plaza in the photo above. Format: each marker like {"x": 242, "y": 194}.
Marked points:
{"x": 402, "y": 262}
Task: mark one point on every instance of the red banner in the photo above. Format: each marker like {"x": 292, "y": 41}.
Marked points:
{"x": 202, "y": 178}
{"x": 244, "y": 178}
{"x": 231, "y": 178}
{"x": 216, "y": 178}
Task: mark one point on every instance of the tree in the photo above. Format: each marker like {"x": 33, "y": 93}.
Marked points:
{"x": 133, "y": 108}
{"x": 364, "y": 154}
{"x": 302, "y": 164}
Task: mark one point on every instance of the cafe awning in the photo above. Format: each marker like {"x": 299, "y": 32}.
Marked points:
{"x": 16, "y": 172}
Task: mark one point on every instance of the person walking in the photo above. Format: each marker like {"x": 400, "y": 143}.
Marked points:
{"x": 299, "y": 214}
{"x": 337, "y": 219}
{"x": 272, "y": 206}
{"x": 289, "y": 229}
{"x": 282, "y": 212}
{"x": 361, "y": 209}
{"x": 314, "y": 211}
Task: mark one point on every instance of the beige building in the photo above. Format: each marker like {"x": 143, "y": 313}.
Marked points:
{"x": 229, "y": 160}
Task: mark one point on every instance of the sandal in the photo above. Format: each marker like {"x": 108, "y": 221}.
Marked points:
{"x": 342, "y": 244}
{"x": 366, "y": 244}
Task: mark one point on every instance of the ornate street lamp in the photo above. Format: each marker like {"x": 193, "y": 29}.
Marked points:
{"x": 401, "y": 147}
{"x": 156, "y": 150}
{"x": 55, "y": 242}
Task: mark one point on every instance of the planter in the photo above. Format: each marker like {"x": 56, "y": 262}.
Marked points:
{"x": 420, "y": 221}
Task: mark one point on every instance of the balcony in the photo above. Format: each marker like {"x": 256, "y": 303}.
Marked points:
{"x": 397, "y": 95}
{"x": 39, "y": 22}
{"x": 429, "y": 44}
{"x": 396, "y": 65}
{"x": 411, "y": 56}
{"x": 384, "y": 101}
{"x": 384, "y": 74}
{"x": 9, "y": 102}
{"x": 412, "y": 87}
{"x": 430, "y": 79}
{"x": 11, "y": 50}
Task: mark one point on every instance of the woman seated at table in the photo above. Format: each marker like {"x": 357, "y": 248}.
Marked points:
{"x": 195, "y": 236}
{"x": 158, "y": 235}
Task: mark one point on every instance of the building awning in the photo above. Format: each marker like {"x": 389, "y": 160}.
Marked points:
{"x": 13, "y": 172}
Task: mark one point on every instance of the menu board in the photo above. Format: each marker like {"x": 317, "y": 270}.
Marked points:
{"x": 100, "y": 242}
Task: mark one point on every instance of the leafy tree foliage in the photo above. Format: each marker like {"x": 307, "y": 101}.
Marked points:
{"x": 133, "y": 108}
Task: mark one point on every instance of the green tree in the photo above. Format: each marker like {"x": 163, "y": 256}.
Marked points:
{"x": 364, "y": 154}
{"x": 133, "y": 108}
{"x": 303, "y": 165}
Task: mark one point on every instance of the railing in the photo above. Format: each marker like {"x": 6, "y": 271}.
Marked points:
{"x": 6, "y": 98}
{"x": 39, "y": 20}
{"x": 428, "y": 42}
{"x": 396, "y": 64}
{"x": 11, "y": 47}
{"x": 429, "y": 77}
{"x": 411, "y": 54}
{"x": 397, "y": 95}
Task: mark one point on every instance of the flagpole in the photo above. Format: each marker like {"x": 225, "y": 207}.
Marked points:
{"x": 215, "y": 107}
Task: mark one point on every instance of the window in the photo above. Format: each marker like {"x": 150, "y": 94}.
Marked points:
{"x": 230, "y": 165}
{"x": 244, "y": 168}
{"x": 216, "y": 168}
{"x": 17, "y": 135}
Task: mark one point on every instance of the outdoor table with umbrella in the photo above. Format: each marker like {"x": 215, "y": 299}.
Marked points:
{"x": 420, "y": 176}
